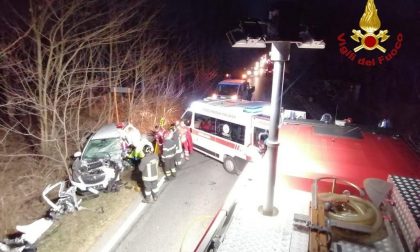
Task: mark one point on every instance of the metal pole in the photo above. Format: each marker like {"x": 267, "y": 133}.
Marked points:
{"x": 280, "y": 53}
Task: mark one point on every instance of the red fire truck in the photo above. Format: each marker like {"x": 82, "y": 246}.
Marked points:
{"x": 373, "y": 161}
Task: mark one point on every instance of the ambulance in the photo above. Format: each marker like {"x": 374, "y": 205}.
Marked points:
{"x": 231, "y": 130}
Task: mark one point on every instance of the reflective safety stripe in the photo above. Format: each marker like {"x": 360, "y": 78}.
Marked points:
{"x": 168, "y": 156}
{"x": 216, "y": 139}
{"x": 150, "y": 178}
{"x": 147, "y": 193}
{"x": 168, "y": 173}
{"x": 169, "y": 149}
{"x": 155, "y": 190}
{"x": 151, "y": 173}
{"x": 173, "y": 170}
{"x": 178, "y": 147}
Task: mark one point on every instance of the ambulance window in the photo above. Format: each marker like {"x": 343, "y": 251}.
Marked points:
{"x": 260, "y": 135}
{"x": 204, "y": 122}
{"x": 186, "y": 118}
{"x": 230, "y": 131}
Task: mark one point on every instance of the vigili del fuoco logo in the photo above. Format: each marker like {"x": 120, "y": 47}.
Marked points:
{"x": 370, "y": 39}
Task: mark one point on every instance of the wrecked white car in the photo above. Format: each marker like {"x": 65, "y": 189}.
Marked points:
{"x": 99, "y": 165}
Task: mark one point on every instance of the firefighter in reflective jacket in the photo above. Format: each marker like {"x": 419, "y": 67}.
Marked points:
{"x": 179, "y": 151}
{"x": 168, "y": 156}
{"x": 149, "y": 170}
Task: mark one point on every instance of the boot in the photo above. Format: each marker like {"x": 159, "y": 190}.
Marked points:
{"x": 174, "y": 175}
{"x": 147, "y": 199}
{"x": 155, "y": 196}
{"x": 168, "y": 178}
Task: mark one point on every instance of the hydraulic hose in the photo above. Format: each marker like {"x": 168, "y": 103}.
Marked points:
{"x": 354, "y": 210}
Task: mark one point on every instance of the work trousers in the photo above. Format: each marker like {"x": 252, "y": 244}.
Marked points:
{"x": 169, "y": 166}
{"x": 178, "y": 159}
{"x": 149, "y": 187}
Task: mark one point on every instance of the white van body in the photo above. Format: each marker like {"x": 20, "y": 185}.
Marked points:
{"x": 235, "y": 131}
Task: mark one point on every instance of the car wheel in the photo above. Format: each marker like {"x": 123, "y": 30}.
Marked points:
{"x": 230, "y": 165}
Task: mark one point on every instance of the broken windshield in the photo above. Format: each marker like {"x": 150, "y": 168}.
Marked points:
{"x": 98, "y": 148}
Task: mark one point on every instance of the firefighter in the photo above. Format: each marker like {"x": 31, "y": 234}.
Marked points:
{"x": 149, "y": 170}
{"x": 159, "y": 136}
{"x": 168, "y": 156}
{"x": 177, "y": 139}
{"x": 134, "y": 155}
{"x": 262, "y": 142}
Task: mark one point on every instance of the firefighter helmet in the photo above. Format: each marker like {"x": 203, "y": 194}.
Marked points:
{"x": 162, "y": 121}
{"x": 147, "y": 149}
{"x": 131, "y": 147}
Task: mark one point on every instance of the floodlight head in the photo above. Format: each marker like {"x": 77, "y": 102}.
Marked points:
{"x": 253, "y": 28}
{"x": 308, "y": 41}
{"x": 249, "y": 43}
{"x": 314, "y": 44}
{"x": 250, "y": 34}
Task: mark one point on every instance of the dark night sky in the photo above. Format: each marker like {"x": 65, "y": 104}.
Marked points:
{"x": 205, "y": 23}
{"x": 327, "y": 18}
{"x": 211, "y": 19}
{"x": 394, "y": 82}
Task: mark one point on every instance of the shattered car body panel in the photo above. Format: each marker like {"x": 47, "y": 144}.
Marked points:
{"x": 113, "y": 140}
{"x": 100, "y": 163}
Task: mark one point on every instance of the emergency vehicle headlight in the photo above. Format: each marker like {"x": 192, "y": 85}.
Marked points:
{"x": 234, "y": 97}
{"x": 214, "y": 96}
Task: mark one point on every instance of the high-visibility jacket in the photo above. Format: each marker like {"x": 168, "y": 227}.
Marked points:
{"x": 135, "y": 155}
{"x": 177, "y": 140}
{"x": 169, "y": 149}
{"x": 149, "y": 167}
{"x": 178, "y": 149}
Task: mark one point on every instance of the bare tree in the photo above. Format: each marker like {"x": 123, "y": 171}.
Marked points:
{"x": 71, "y": 53}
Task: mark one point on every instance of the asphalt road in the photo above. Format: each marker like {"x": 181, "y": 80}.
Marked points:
{"x": 185, "y": 208}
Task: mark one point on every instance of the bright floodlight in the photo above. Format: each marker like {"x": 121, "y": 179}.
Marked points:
{"x": 250, "y": 34}
{"x": 320, "y": 44}
{"x": 250, "y": 43}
